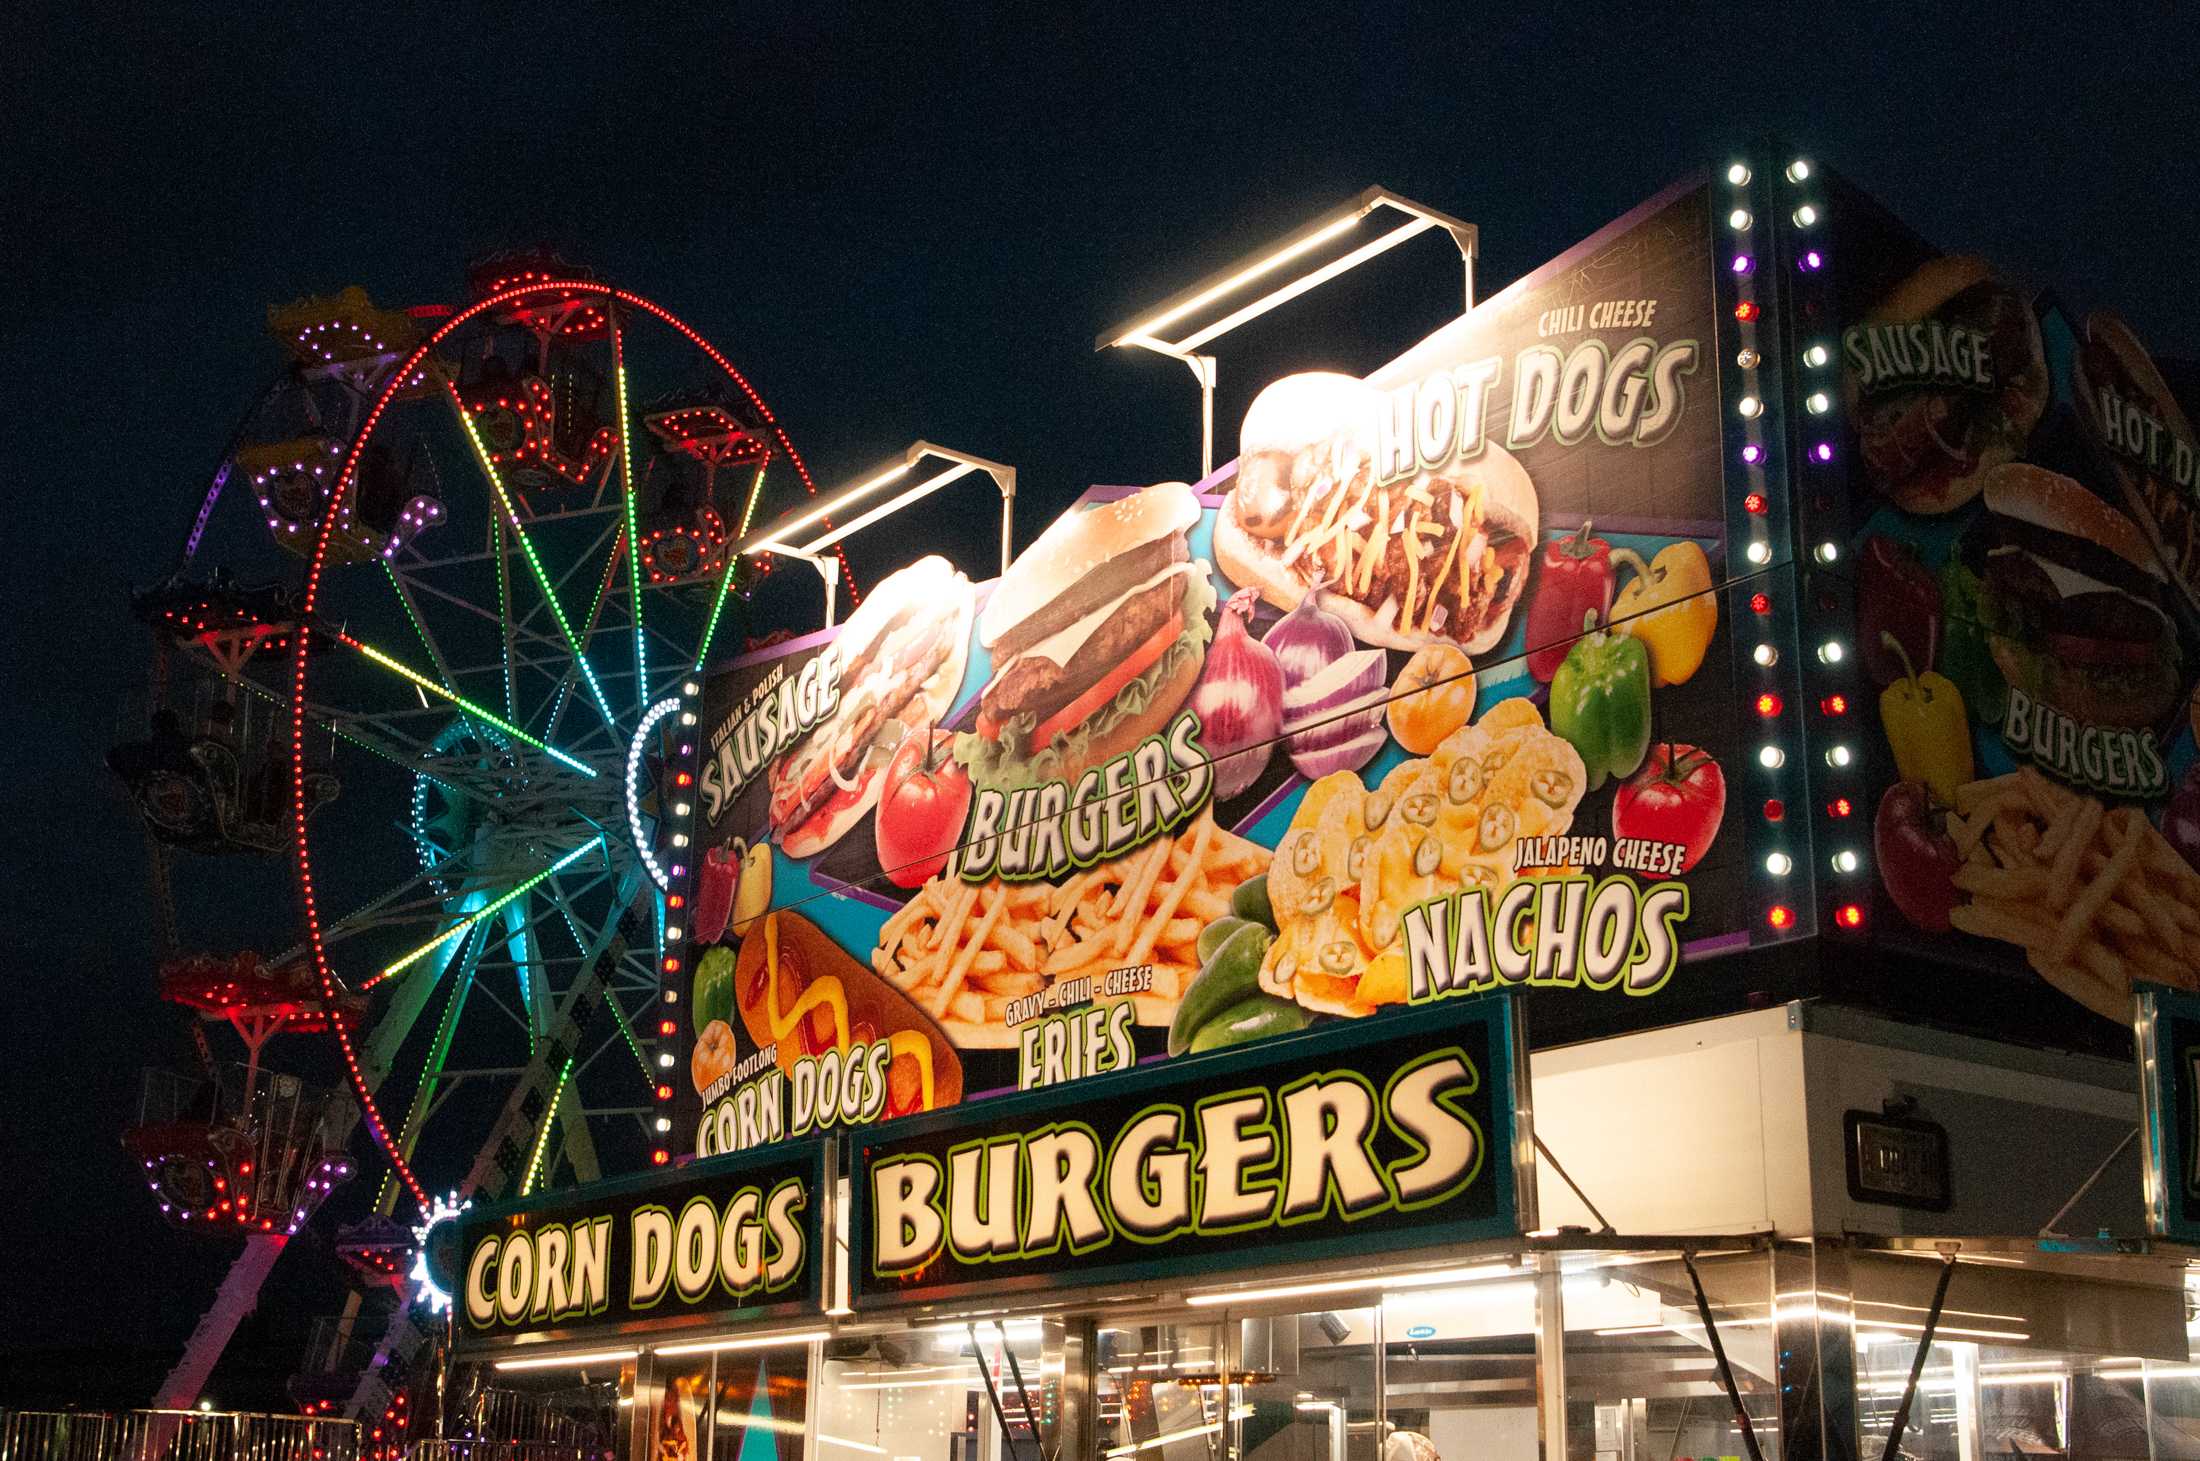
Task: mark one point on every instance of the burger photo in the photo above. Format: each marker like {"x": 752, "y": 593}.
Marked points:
{"x": 1928, "y": 440}
{"x": 2072, "y": 602}
{"x": 1439, "y": 557}
{"x": 1097, "y": 634}
{"x": 902, "y": 656}
{"x": 2112, "y": 359}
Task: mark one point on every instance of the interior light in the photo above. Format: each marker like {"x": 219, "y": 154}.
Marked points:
{"x": 1437, "y": 1279}
{"x": 569, "y": 1361}
{"x": 785, "y": 1340}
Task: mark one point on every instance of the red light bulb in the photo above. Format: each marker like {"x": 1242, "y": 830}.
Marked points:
{"x": 1775, "y": 810}
{"x": 1747, "y": 310}
{"x": 1754, "y": 502}
{"x": 1840, "y": 806}
{"x": 1760, "y": 603}
{"x": 1780, "y": 916}
{"x": 659, "y": 1157}
{"x": 1835, "y": 705}
{"x": 1768, "y": 705}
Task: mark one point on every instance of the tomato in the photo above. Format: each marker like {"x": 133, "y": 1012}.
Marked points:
{"x": 921, "y": 809}
{"x": 1140, "y": 660}
{"x": 1679, "y": 795}
{"x": 1433, "y": 697}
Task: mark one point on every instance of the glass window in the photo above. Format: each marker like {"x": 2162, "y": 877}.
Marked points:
{"x": 1158, "y": 1392}
{"x": 923, "y": 1395}
{"x": 761, "y": 1403}
{"x": 1459, "y": 1371}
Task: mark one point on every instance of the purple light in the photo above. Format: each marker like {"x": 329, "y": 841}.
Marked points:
{"x": 1810, "y": 262}
{"x": 1743, "y": 263}
{"x": 1753, "y": 454}
{"x": 1823, "y": 451}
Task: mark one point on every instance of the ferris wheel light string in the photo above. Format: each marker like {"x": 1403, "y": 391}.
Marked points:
{"x": 542, "y": 1137}
{"x": 642, "y": 849}
{"x": 412, "y": 372}
{"x": 484, "y": 912}
{"x": 633, "y": 518}
{"x": 527, "y": 548}
{"x": 463, "y": 703}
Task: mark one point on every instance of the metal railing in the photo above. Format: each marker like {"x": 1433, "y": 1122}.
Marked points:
{"x": 174, "y": 1435}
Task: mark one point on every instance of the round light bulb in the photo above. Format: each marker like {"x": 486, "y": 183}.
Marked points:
{"x": 664, "y": 1060}
{"x": 1738, "y": 174}
{"x": 1844, "y": 861}
{"x": 1779, "y": 864}
{"x": 1805, "y": 216}
{"x": 1798, "y": 170}
{"x": 1759, "y": 553}
{"x": 1827, "y": 552}
{"x": 1816, "y": 355}
{"x": 1771, "y": 758}
{"x": 1738, "y": 219}
{"x": 1748, "y": 359}
{"x": 1749, "y": 407}
{"x": 1837, "y": 756}
{"x": 1766, "y": 656}
{"x": 1830, "y": 652}
{"x": 1819, "y": 402}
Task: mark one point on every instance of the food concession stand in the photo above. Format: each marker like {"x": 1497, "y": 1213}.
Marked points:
{"x": 1588, "y": 895}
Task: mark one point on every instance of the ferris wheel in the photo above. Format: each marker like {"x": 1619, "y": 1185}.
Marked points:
{"x": 413, "y": 684}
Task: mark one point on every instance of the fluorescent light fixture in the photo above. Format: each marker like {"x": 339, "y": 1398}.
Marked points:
{"x": 1440, "y": 1278}
{"x": 825, "y": 1440}
{"x": 787, "y": 535}
{"x": 569, "y": 1361}
{"x": 784, "y": 1340}
{"x": 1315, "y": 237}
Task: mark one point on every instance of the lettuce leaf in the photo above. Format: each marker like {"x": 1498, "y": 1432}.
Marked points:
{"x": 1007, "y": 765}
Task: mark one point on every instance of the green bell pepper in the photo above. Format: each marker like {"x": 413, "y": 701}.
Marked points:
{"x": 1964, "y": 656}
{"x": 710, "y": 996}
{"x": 1600, "y": 701}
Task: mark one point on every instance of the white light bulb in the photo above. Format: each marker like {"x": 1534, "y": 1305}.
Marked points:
{"x": 1837, "y": 756}
{"x": 1818, "y": 402}
{"x": 691, "y": 688}
{"x": 681, "y": 809}
{"x": 679, "y": 839}
{"x": 664, "y": 1060}
{"x": 687, "y": 717}
{"x": 1844, "y": 861}
{"x": 1738, "y": 219}
{"x": 1771, "y": 758}
{"x": 1749, "y": 406}
{"x": 1738, "y": 174}
{"x": 1766, "y": 655}
{"x": 1759, "y": 552}
{"x": 1830, "y": 652}
{"x": 1798, "y": 170}
{"x": 672, "y": 932}
{"x": 1827, "y": 552}
{"x": 664, "y": 1123}
{"x": 1778, "y": 864}
{"x": 1748, "y": 359}
{"x": 1805, "y": 216}
{"x": 1816, "y": 355}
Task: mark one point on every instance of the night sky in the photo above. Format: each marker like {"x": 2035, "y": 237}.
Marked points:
{"x": 903, "y": 226}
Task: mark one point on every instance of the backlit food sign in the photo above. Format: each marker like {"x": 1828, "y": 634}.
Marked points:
{"x": 1431, "y": 692}
{"x": 734, "y": 1238}
{"x": 1377, "y": 1132}
{"x": 2027, "y": 579}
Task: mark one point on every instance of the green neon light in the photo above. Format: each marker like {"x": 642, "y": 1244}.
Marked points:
{"x": 725, "y": 580}
{"x": 633, "y": 524}
{"x": 486, "y": 911}
{"x": 542, "y": 1137}
{"x": 611, "y": 999}
{"x": 439, "y": 1051}
{"x": 464, "y": 704}
{"x": 527, "y": 549}
{"x": 504, "y": 618}
{"x": 414, "y": 619}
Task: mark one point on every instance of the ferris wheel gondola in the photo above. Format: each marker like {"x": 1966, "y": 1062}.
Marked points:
{"x": 458, "y": 616}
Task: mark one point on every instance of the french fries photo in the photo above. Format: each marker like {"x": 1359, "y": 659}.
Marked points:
{"x": 967, "y": 952}
{"x": 2094, "y": 896}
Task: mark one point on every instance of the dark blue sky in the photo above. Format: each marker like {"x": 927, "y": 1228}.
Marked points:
{"x": 902, "y": 222}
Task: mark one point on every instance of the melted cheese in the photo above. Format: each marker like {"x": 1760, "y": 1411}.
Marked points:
{"x": 2070, "y": 583}
{"x": 1062, "y": 645}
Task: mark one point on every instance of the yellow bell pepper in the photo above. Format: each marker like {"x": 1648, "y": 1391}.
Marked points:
{"x": 1926, "y": 727}
{"x": 1670, "y": 607}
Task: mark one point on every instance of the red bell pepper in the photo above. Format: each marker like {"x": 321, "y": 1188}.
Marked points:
{"x": 1896, "y": 594}
{"x": 715, "y": 877}
{"x": 1574, "y": 575}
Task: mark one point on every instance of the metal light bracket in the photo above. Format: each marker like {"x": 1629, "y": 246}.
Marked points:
{"x": 1144, "y": 329}
{"x": 807, "y": 534}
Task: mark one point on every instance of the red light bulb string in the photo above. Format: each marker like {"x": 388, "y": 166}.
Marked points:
{"x": 322, "y": 536}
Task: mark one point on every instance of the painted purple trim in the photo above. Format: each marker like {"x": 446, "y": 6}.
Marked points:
{"x": 856, "y": 891}
{"x": 1269, "y": 803}
{"x": 1716, "y": 944}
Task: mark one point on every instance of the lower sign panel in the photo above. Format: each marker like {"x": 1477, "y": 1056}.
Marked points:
{"x": 1385, "y": 1134}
